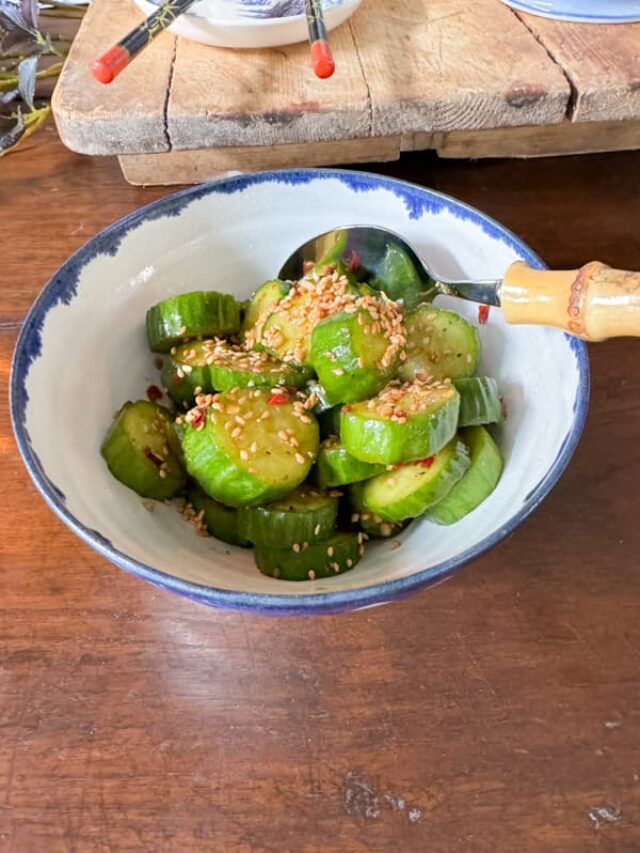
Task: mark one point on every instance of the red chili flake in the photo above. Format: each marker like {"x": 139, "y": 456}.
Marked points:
{"x": 353, "y": 261}
{"x": 199, "y": 418}
{"x": 428, "y": 462}
{"x": 346, "y": 410}
{"x": 159, "y": 363}
{"x": 278, "y": 398}
{"x": 154, "y": 393}
{"x": 483, "y": 314}
{"x": 151, "y": 456}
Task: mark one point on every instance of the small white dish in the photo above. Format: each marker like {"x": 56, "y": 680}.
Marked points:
{"x": 250, "y": 24}
{"x": 582, "y": 11}
{"x": 82, "y": 352}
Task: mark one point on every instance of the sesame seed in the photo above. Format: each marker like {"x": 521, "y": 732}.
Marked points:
{"x": 163, "y": 474}
{"x": 349, "y": 562}
{"x": 182, "y": 331}
{"x": 355, "y": 518}
{"x": 361, "y": 550}
{"x": 317, "y": 530}
{"x": 296, "y": 547}
{"x": 254, "y": 446}
{"x": 236, "y": 433}
{"x": 244, "y": 455}
{"x": 253, "y": 470}
{"x": 330, "y": 551}
{"x": 311, "y": 575}
{"x": 338, "y": 371}
{"x": 335, "y": 567}
{"x": 299, "y": 458}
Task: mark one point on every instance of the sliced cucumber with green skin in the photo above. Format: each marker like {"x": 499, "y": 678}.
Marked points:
{"x": 142, "y": 451}
{"x": 440, "y": 345}
{"x": 234, "y": 367}
{"x": 191, "y": 315}
{"x": 262, "y": 303}
{"x": 399, "y": 279}
{"x": 411, "y": 489}
{"x": 479, "y": 401}
{"x": 330, "y": 422}
{"x": 186, "y": 371}
{"x": 244, "y": 450}
{"x": 347, "y": 352}
{"x": 287, "y": 331}
{"x": 479, "y": 481}
{"x": 220, "y": 521}
{"x": 404, "y": 422}
{"x": 304, "y": 516}
{"x": 334, "y": 556}
{"x": 371, "y": 523}
{"x": 335, "y": 466}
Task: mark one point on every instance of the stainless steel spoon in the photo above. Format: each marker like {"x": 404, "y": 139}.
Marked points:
{"x": 594, "y": 302}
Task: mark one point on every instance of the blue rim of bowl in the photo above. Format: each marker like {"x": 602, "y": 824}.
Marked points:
{"x": 576, "y": 17}
{"x": 417, "y": 200}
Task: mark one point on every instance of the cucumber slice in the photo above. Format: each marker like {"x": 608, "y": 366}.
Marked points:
{"x": 372, "y": 524}
{"x": 287, "y": 331}
{"x": 404, "y": 422}
{"x": 191, "y": 315}
{"x": 142, "y": 451}
{"x": 479, "y": 401}
{"x": 355, "y": 353}
{"x": 305, "y": 516}
{"x": 440, "y": 344}
{"x": 262, "y": 303}
{"x": 398, "y": 277}
{"x": 248, "y": 447}
{"x": 411, "y": 489}
{"x": 235, "y": 367}
{"x": 220, "y": 521}
{"x": 479, "y": 481}
{"x": 335, "y": 466}
{"x": 330, "y": 422}
{"x": 323, "y": 560}
{"x": 187, "y": 370}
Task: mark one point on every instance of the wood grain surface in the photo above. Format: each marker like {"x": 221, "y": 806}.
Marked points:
{"x": 495, "y": 713}
{"x": 602, "y": 63}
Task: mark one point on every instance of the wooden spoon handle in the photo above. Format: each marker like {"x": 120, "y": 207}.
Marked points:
{"x": 595, "y": 302}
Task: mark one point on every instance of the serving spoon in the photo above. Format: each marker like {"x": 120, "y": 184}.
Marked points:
{"x": 594, "y": 302}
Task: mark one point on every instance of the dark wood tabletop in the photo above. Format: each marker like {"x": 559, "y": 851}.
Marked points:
{"x": 498, "y": 712}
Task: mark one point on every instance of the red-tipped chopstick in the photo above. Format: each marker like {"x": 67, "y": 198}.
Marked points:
{"x": 120, "y": 55}
{"x": 321, "y": 56}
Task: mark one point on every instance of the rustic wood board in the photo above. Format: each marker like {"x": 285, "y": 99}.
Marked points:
{"x": 193, "y": 167}
{"x": 601, "y": 62}
{"x": 128, "y": 116}
{"x": 412, "y": 74}
{"x": 454, "y": 65}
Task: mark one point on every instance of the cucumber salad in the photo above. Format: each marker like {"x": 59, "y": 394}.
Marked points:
{"x": 317, "y": 415}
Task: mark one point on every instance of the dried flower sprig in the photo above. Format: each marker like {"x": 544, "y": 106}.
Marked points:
{"x": 28, "y": 54}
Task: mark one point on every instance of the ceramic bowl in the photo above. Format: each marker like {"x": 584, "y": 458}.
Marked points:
{"x": 82, "y": 352}
{"x": 579, "y": 11}
{"x": 250, "y": 23}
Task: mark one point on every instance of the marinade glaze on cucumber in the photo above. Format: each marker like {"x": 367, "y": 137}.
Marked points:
{"x": 366, "y": 365}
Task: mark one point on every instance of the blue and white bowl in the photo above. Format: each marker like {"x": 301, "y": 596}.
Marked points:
{"x": 582, "y": 11}
{"x": 251, "y": 23}
{"x": 82, "y": 352}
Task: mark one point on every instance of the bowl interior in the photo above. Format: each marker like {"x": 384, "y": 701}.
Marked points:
{"x": 83, "y": 352}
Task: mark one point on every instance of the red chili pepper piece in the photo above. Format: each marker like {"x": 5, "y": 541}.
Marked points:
{"x": 353, "y": 261}
{"x": 346, "y": 410}
{"x": 428, "y": 462}
{"x": 483, "y": 314}
{"x": 151, "y": 456}
{"x": 278, "y": 399}
{"x": 154, "y": 393}
{"x": 199, "y": 418}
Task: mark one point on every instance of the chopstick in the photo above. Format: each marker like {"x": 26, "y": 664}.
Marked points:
{"x": 110, "y": 64}
{"x": 321, "y": 56}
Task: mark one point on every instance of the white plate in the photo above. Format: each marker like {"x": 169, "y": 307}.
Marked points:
{"x": 582, "y": 11}
{"x": 203, "y": 23}
{"x": 82, "y": 352}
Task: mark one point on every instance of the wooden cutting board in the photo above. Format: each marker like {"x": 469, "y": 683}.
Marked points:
{"x": 468, "y": 79}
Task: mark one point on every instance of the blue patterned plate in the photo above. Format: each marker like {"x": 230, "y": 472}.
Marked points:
{"x": 579, "y": 11}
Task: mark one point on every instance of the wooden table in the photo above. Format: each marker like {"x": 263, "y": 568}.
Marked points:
{"x": 496, "y": 713}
